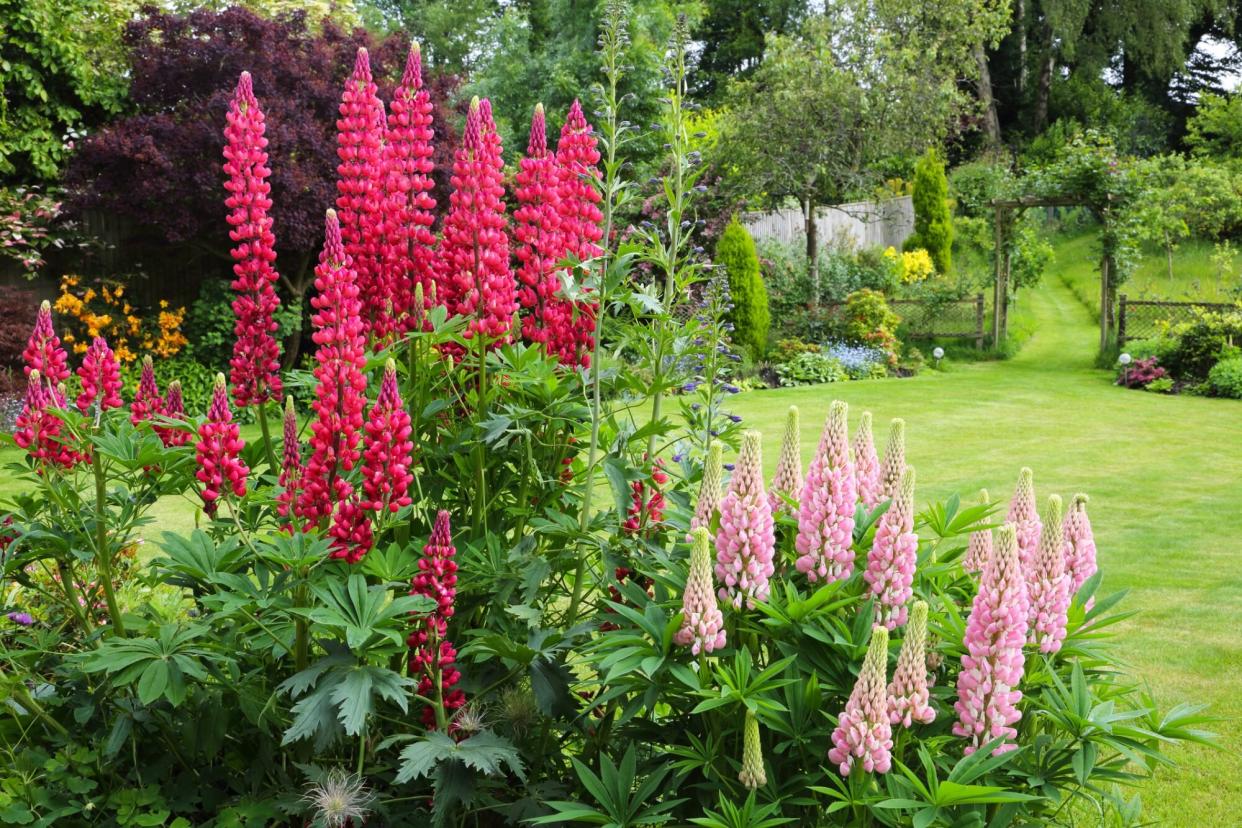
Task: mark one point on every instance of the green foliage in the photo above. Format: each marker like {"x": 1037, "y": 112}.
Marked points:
{"x": 1225, "y": 378}
{"x": 1215, "y": 130}
{"x": 1135, "y": 124}
{"x": 810, "y": 368}
{"x": 735, "y": 251}
{"x": 1197, "y": 346}
{"x": 868, "y": 320}
{"x": 933, "y": 222}
{"x": 209, "y": 323}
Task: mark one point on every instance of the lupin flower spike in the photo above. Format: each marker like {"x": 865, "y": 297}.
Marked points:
{"x": 38, "y": 430}
{"x": 101, "y": 377}
{"x": 987, "y": 686}
{"x": 537, "y": 229}
{"x": 255, "y": 365}
{"x": 45, "y": 354}
{"x": 1024, "y": 515}
{"x": 1080, "y": 562}
{"x": 788, "y": 477}
{"x": 432, "y": 651}
{"x": 752, "y": 774}
{"x": 702, "y": 625}
{"x": 220, "y": 468}
{"x": 174, "y": 409}
{"x": 894, "y": 553}
{"x": 908, "y": 696}
{"x": 746, "y": 541}
{"x": 709, "y": 490}
{"x": 1049, "y": 591}
{"x": 864, "y": 733}
{"x": 894, "y": 459}
{"x": 979, "y": 547}
{"x": 147, "y": 400}
{"x": 386, "y": 476}
{"x": 867, "y": 465}
{"x": 290, "y": 464}
{"x": 826, "y": 508}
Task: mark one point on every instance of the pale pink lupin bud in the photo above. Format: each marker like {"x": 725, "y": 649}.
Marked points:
{"x": 908, "y": 696}
{"x": 788, "y": 478}
{"x": 987, "y": 686}
{"x": 894, "y": 553}
{"x": 826, "y": 507}
{"x": 709, "y": 489}
{"x": 979, "y": 547}
{"x": 1080, "y": 561}
{"x": 864, "y": 733}
{"x": 867, "y": 465}
{"x": 746, "y": 541}
{"x": 894, "y": 459}
{"x": 702, "y": 624}
{"x": 1024, "y": 515}
{"x": 752, "y": 774}
{"x": 1049, "y": 590}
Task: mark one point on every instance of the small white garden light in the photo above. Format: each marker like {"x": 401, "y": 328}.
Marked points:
{"x": 1125, "y": 360}
{"x": 938, "y": 354}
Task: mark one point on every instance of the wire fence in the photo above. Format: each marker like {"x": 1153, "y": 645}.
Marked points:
{"x": 923, "y": 319}
{"x": 1145, "y": 318}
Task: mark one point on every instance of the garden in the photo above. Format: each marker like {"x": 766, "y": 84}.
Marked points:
{"x": 408, "y": 415}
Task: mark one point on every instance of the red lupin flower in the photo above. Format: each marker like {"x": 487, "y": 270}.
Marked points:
{"x": 174, "y": 409}
{"x": 409, "y": 257}
{"x": 290, "y": 465}
{"x": 38, "y": 430}
{"x": 360, "y": 185}
{"x": 45, "y": 354}
{"x": 386, "y": 476}
{"x": 147, "y": 401}
{"x": 541, "y": 244}
{"x": 476, "y": 281}
{"x": 432, "y": 652}
{"x": 255, "y": 364}
{"x": 220, "y": 467}
{"x": 101, "y": 377}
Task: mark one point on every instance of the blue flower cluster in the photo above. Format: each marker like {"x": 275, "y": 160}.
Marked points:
{"x": 859, "y": 361}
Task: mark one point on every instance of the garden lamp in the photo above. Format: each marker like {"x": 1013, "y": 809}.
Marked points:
{"x": 938, "y": 354}
{"x": 1125, "y": 360}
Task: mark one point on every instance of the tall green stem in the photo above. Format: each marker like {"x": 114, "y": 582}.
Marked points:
{"x": 103, "y": 555}
{"x": 269, "y": 452}
{"x": 67, "y": 583}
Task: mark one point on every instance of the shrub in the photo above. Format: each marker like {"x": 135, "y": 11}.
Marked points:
{"x": 811, "y": 368}
{"x": 15, "y": 304}
{"x": 933, "y": 223}
{"x": 735, "y": 251}
{"x": 868, "y": 320}
{"x": 1201, "y": 344}
{"x": 104, "y": 309}
{"x": 1225, "y": 378}
{"x": 1164, "y": 385}
{"x": 1140, "y": 372}
{"x": 786, "y": 349}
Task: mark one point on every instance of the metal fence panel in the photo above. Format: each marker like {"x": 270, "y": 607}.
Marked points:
{"x": 1146, "y": 319}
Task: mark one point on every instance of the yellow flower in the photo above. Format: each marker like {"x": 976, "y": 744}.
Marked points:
{"x": 163, "y": 303}
{"x": 79, "y": 348}
{"x": 89, "y": 295}
{"x": 916, "y": 266}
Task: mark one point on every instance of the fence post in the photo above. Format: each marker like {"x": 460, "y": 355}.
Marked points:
{"x": 1121, "y": 320}
{"x": 979, "y": 321}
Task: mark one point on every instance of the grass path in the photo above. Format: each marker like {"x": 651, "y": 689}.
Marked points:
{"x": 1165, "y": 478}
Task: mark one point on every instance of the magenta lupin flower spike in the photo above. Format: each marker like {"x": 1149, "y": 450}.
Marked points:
{"x": 1049, "y": 591}
{"x": 894, "y": 459}
{"x": 431, "y": 649}
{"x": 1024, "y": 515}
{"x": 710, "y": 489}
{"x": 908, "y": 695}
{"x": 788, "y": 478}
{"x": 702, "y": 624}
{"x": 38, "y": 430}
{"x": 218, "y": 452}
{"x": 101, "y": 377}
{"x": 255, "y": 365}
{"x": 867, "y": 474}
{"x": 388, "y": 451}
{"x": 863, "y": 733}
{"x": 987, "y": 686}
{"x": 746, "y": 541}
{"x": 147, "y": 400}
{"x": 537, "y": 229}
{"x": 290, "y": 465}
{"x": 1080, "y": 562}
{"x": 826, "y": 506}
{"x": 45, "y": 354}
{"x": 894, "y": 553}
{"x": 979, "y": 547}
{"x": 174, "y": 409}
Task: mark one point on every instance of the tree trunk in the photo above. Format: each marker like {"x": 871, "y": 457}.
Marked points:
{"x": 297, "y": 289}
{"x": 1105, "y": 305}
{"x": 991, "y": 123}
{"x": 1020, "y": 14}
{"x": 1168, "y": 254}
{"x": 812, "y": 247}
{"x": 1042, "y": 91}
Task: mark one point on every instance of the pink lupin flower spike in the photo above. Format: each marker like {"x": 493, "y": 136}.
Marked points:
{"x": 826, "y": 508}
{"x": 787, "y": 481}
{"x": 45, "y": 354}
{"x": 1024, "y": 515}
{"x": 1080, "y": 560}
{"x": 987, "y": 686}
{"x": 436, "y": 579}
{"x": 710, "y": 489}
{"x": 386, "y": 476}
{"x": 1049, "y": 590}
{"x": 979, "y": 547}
{"x": 255, "y": 365}
{"x": 38, "y": 430}
{"x": 867, "y": 473}
{"x": 894, "y": 553}
{"x": 147, "y": 400}
{"x": 537, "y": 229}
{"x": 746, "y": 541}
{"x": 290, "y": 465}
{"x": 908, "y": 695}
{"x": 173, "y": 408}
{"x": 894, "y": 459}
{"x": 863, "y": 733}
{"x": 220, "y": 467}
{"x": 101, "y": 377}
{"x": 702, "y": 625}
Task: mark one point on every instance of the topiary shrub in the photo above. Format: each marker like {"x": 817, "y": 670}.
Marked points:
{"x": 933, "y": 223}
{"x": 1225, "y": 378}
{"x": 868, "y": 320}
{"x": 750, "y": 317}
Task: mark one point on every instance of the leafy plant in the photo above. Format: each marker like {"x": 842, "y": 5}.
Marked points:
{"x": 933, "y": 221}
{"x": 811, "y": 368}
{"x": 735, "y": 251}
{"x": 1225, "y": 378}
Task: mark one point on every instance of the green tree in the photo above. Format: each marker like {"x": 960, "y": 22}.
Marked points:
{"x": 1216, "y": 128}
{"x": 735, "y": 250}
{"x": 732, "y": 33}
{"x": 933, "y": 223}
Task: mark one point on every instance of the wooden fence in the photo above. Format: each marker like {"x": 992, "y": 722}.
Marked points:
{"x": 920, "y": 319}
{"x": 1144, "y": 319}
{"x": 867, "y": 223}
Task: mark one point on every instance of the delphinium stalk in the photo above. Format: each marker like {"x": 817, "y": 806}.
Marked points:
{"x": 614, "y": 41}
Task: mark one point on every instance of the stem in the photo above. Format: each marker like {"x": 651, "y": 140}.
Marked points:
{"x": 103, "y": 555}
{"x": 71, "y": 594}
{"x": 267, "y": 439}
{"x": 27, "y": 701}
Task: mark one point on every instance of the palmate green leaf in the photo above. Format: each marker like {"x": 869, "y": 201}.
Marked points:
{"x": 314, "y": 715}
{"x": 484, "y": 752}
{"x": 197, "y": 559}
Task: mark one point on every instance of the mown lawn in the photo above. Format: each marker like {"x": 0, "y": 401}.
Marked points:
{"x": 1163, "y": 474}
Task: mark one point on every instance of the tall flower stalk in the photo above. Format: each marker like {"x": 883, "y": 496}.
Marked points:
{"x": 908, "y": 695}
{"x": 1049, "y": 589}
{"x": 537, "y": 229}
{"x": 702, "y": 624}
{"x": 433, "y": 655}
{"x": 867, "y": 473}
{"x": 826, "y": 508}
{"x": 710, "y": 490}
{"x": 1080, "y": 561}
{"x": 255, "y": 365}
{"x": 788, "y": 477}
{"x": 1024, "y": 515}
{"x": 894, "y": 459}
{"x": 979, "y": 547}
{"x": 746, "y": 540}
{"x": 864, "y": 734}
{"x": 894, "y": 553}
{"x": 147, "y": 401}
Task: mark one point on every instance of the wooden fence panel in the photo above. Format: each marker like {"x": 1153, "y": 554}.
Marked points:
{"x": 866, "y": 223}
